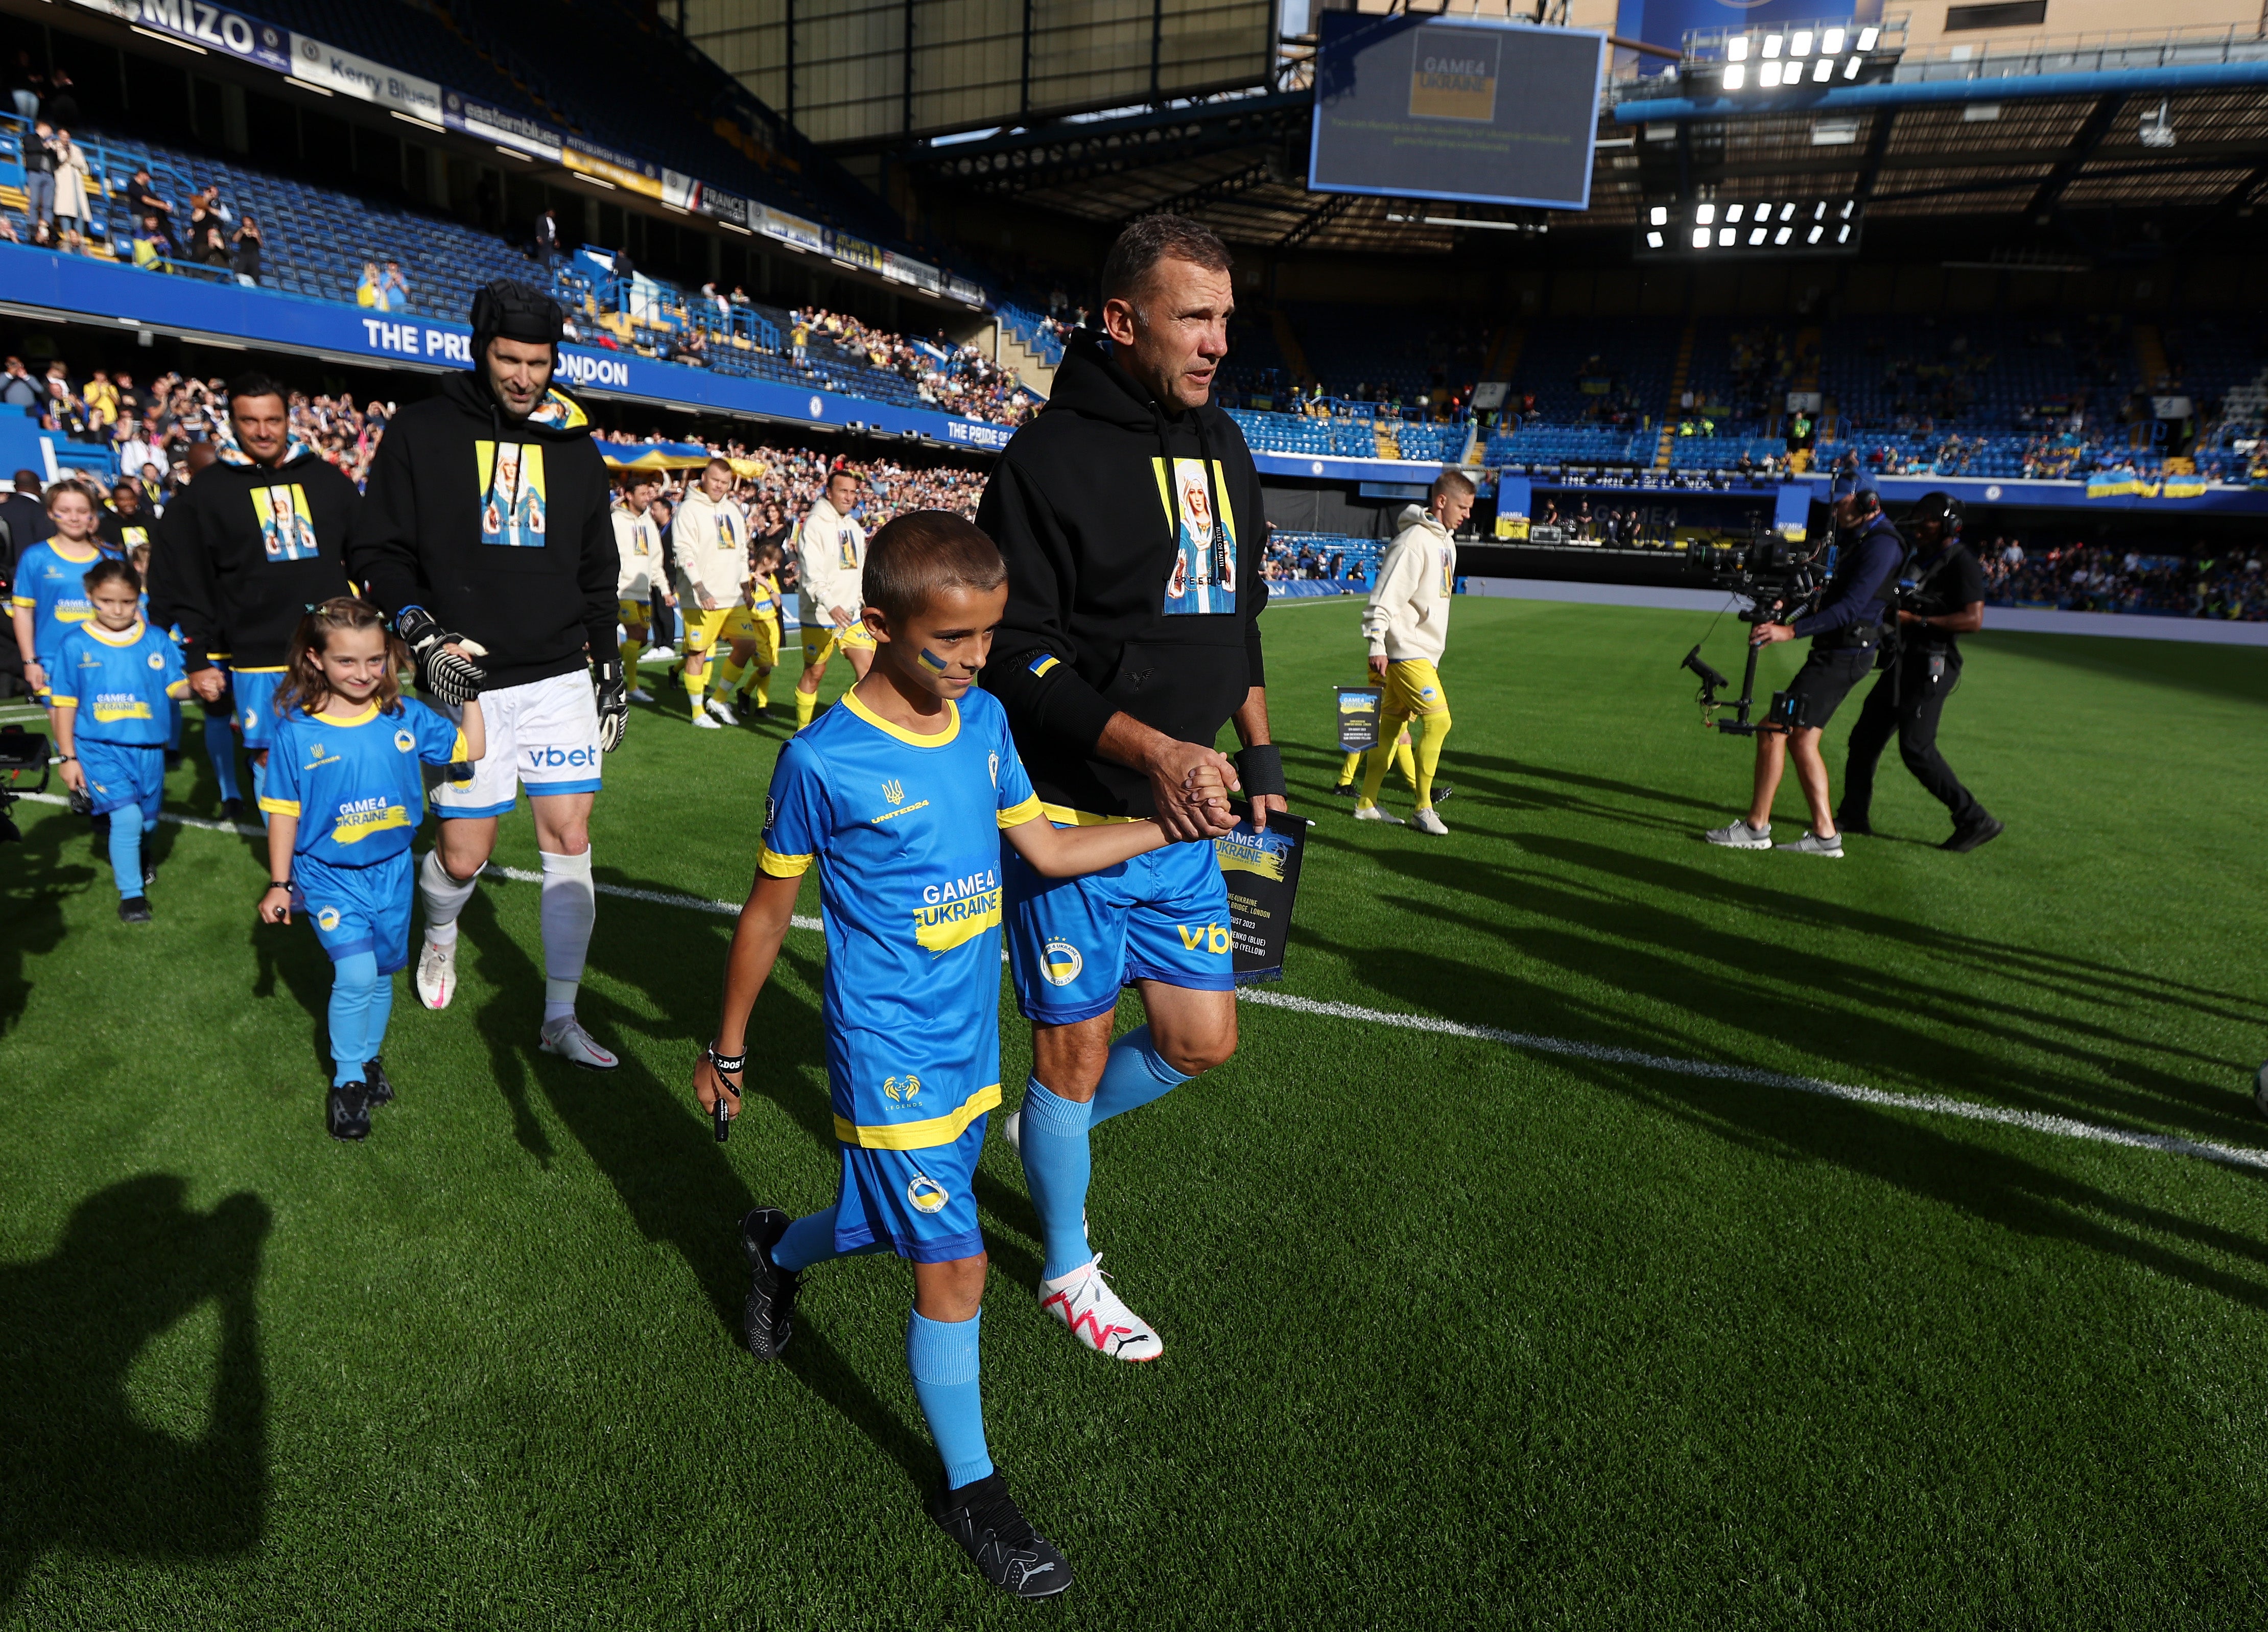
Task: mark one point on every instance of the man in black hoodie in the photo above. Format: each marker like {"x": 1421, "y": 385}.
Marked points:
{"x": 1132, "y": 518}
{"x": 485, "y": 535}
{"x": 238, "y": 558}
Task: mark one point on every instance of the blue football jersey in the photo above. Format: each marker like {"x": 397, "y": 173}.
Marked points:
{"x": 352, "y": 779}
{"x": 906, "y": 832}
{"x": 52, "y": 586}
{"x": 120, "y": 686}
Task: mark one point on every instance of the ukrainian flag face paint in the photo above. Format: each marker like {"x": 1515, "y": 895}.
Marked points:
{"x": 931, "y": 661}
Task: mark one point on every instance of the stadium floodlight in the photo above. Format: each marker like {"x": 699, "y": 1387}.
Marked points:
{"x": 1849, "y": 204}
{"x": 1850, "y": 68}
{"x": 1692, "y": 225}
{"x": 1659, "y": 215}
{"x": 1701, "y": 239}
{"x": 1736, "y": 76}
{"x": 1823, "y": 70}
{"x": 1787, "y": 212}
{"x": 1653, "y": 239}
{"x": 1867, "y": 38}
{"x": 1772, "y": 43}
{"x": 1830, "y": 42}
{"x": 1769, "y": 77}
{"x": 1726, "y": 237}
{"x": 1798, "y": 43}
{"x": 1757, "y": 235}
{"x": 1819, "y": 210}
{"x": 1783, "y": 235}
{"x": 1817, "y": 234}
{"x": 1705, "y": 214}
{"x": 1734, "y": 214}
{"x": 1736, "y": 48}
{"x": 1842, "y": 233}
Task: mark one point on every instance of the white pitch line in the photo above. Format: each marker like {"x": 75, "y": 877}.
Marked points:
{"x": 1529, "y": 1042}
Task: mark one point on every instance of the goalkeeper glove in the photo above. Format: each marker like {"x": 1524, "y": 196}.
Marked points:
{"x": 442, "y": 674}
{"x": 613, "y": 701}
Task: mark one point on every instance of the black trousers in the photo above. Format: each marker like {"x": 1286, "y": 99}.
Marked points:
{"x": 1906, "y": 703}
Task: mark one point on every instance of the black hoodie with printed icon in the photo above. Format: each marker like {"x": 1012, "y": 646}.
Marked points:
{"x": 501, "y": 528}
{"x": 1123, "y": 594}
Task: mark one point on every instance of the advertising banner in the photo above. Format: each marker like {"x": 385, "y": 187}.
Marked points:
{"x": 500, "y": 126}
{"x": 215, "y": 27}
{"x": 349, "y": 75}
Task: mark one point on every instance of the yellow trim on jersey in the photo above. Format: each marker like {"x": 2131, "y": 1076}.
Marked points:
{"x": 280, "y": 668}
{"x": 915, "y": 737}
{"x": 27, "y": 601}
{"x": 1017, "y": 815}
{"x": 118, "y": 640}
{"x": 177, "y": 690}
{"x": 55, "y": 543}
{"x": 1064, "y": 816}
{"x": 368, "y": 713}
{"x": 280, "y": 807}
{"x": 924, "y": 1135}
{"x": 775, "y": 865}
{"x": 66, "y": 701}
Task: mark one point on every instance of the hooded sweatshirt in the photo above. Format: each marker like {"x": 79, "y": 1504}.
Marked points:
{"x": 1123, "y": 595}
{"x": 1408, "y": 616}
{"x": 498, "y": 528}
{"x": 245, "y": 549}
{"x": 830, "y": 564}
{"x": 709, "y": 542}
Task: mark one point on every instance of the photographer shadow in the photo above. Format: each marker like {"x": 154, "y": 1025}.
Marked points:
{"x": 36, "y": 880}
{"x": 77, "y": 1469}
{"x": 643, "y": 1135}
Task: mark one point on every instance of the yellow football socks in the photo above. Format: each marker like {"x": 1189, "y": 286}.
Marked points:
{"x": 806, "y": 703}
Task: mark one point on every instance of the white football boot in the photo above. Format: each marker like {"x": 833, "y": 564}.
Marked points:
{"x": 1084, "y": 1302}
{"x": 721, "y": 712}
{"x": 566, "y": 1038}
{"x": 1426, "y": 821}
{"x": 437, "y": 973}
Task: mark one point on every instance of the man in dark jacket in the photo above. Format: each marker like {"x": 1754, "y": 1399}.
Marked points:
{"x": 1132, "y": 518}
{"x": 485, "y": 535}
{"x": 238, "y": 557}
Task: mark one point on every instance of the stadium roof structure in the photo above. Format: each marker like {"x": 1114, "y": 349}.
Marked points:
{"x": 2172, "y": 122}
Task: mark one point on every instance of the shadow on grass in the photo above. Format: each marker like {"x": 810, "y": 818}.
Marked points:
{"x": 76, "y": 1470}
{"x": 671, "y": 1174}
{"x": 35, "y": 880}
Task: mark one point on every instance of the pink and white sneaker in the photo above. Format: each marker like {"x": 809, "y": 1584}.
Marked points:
{"x": 566, "y": 1038}
{"x": 1084, "y": 1301}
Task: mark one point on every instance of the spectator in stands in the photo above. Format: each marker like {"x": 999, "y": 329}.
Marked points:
{"x": 799, "y": 337}
{"x": 23, "y": 512}
{"x": 205, "y": 230}
{"x": 149, "y": 246}
{"x": 367, "y": 293}
{"x": 394, "y": 288}
{"x": 546, "y": 238}
{"x": 247, "y": 242}
{"x": 59, "y": 106}
{"x": 40, "y": 179}
{"x": 143, "y": 199}
{"x": 20, "y": 390}
{"x": 25, "y": 83}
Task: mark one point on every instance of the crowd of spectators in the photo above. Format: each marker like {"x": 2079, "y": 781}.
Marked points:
{"x": 2096, "y": 577}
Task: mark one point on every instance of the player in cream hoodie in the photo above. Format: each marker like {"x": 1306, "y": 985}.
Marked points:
{"x": 709, "y": 536}
{"x": 830, "y": 561}
{"x": 1407, "y": 624}
{"x": 638, "y": 542}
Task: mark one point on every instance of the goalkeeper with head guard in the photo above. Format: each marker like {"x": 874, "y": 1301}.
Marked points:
{"x": 486, "y": 536}
{"x": 1846, "y": 631}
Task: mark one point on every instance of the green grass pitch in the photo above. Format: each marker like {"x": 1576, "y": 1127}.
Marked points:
{"x": 1459, "y": 1332}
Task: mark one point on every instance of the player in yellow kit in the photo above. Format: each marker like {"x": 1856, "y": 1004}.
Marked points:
{"x": 830, "y": 557}
{"x": 710, "y": 539}
{"x": 638, "y": 542}
{"x": 755, "y": 632}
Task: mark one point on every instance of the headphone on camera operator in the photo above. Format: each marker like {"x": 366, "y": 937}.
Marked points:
{"x": 1935, "y": 521}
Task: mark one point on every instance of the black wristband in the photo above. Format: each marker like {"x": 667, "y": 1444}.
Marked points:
{"x": 1260, "y": 767}
{"x": 279, "y": 883}
{"x": 727, "y": 1064}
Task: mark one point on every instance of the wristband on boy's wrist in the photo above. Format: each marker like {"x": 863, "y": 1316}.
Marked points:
{"x": 279, "y": 883}
{"x": 727, "y": 1064}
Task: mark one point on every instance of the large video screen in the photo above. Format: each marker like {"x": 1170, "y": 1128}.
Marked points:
{"x": 1487, "y": 112}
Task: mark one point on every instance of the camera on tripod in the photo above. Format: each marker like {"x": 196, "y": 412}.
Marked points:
{"x": 1781, "y": 577}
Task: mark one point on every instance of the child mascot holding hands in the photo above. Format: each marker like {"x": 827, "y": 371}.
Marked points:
{"x": 901, "y": 799}
{"x": 344, "y": 795}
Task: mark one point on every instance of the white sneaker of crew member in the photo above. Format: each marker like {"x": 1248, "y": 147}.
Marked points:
{"x": 566, "y": 1038}
{"x": 1097, "y": 1316}
{"x": 1426, "y": 821}
{"x": 1740, "y": 837}
{"x": 1373, "y": 813}
{"x": 437, "y": 973}
{"x": 639, "y": 693}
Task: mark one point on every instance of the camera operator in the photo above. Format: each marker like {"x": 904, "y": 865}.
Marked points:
{"x": 1846, "y": 631}
{"x": 1948, "y": 601}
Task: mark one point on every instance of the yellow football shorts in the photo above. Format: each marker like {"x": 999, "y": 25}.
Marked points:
{"x": 633, "y": 613}
{"x": 701, "y": 628}
{"x": 821, "y": 640}
{"x": 764, "y": 629}
{"x": 1413, "y": 687}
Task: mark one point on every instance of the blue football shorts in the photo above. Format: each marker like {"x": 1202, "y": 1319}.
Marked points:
{"x": 357, "y": 909}
{"x": 119, "y": 774}
{"x": 1074, "y": 942}
{"x": 921, "y": 1204}
{"x": 255, "y": 690}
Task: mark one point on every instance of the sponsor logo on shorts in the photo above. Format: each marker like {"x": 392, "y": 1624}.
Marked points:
{"x": 554, "y": 758}
{"x": 902, "y": 1089}
{"x": 1060, "y": 962}
{"x": 1211, "y": 937}
{"x": 327, "y": 918}
{"x": 404, "y": 741}
{"x": 926, "y": 1195}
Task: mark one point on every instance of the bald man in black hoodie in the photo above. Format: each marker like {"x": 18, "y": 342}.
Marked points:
{"x": 1130, "y": 516}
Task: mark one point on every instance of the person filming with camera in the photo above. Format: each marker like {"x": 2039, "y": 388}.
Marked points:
{"x": 1846, "y": 630}
{"x": 1947, "y": 601}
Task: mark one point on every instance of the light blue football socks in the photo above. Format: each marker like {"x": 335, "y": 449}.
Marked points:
{"x": 220, "y": 748}
{"x": 127, "y": 827}
{"x": 354, "y": 996}
{"x": 1056, "y": 1168}
{"x": 942, "y": 1357}
{"x": 1135, "y": 1074}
